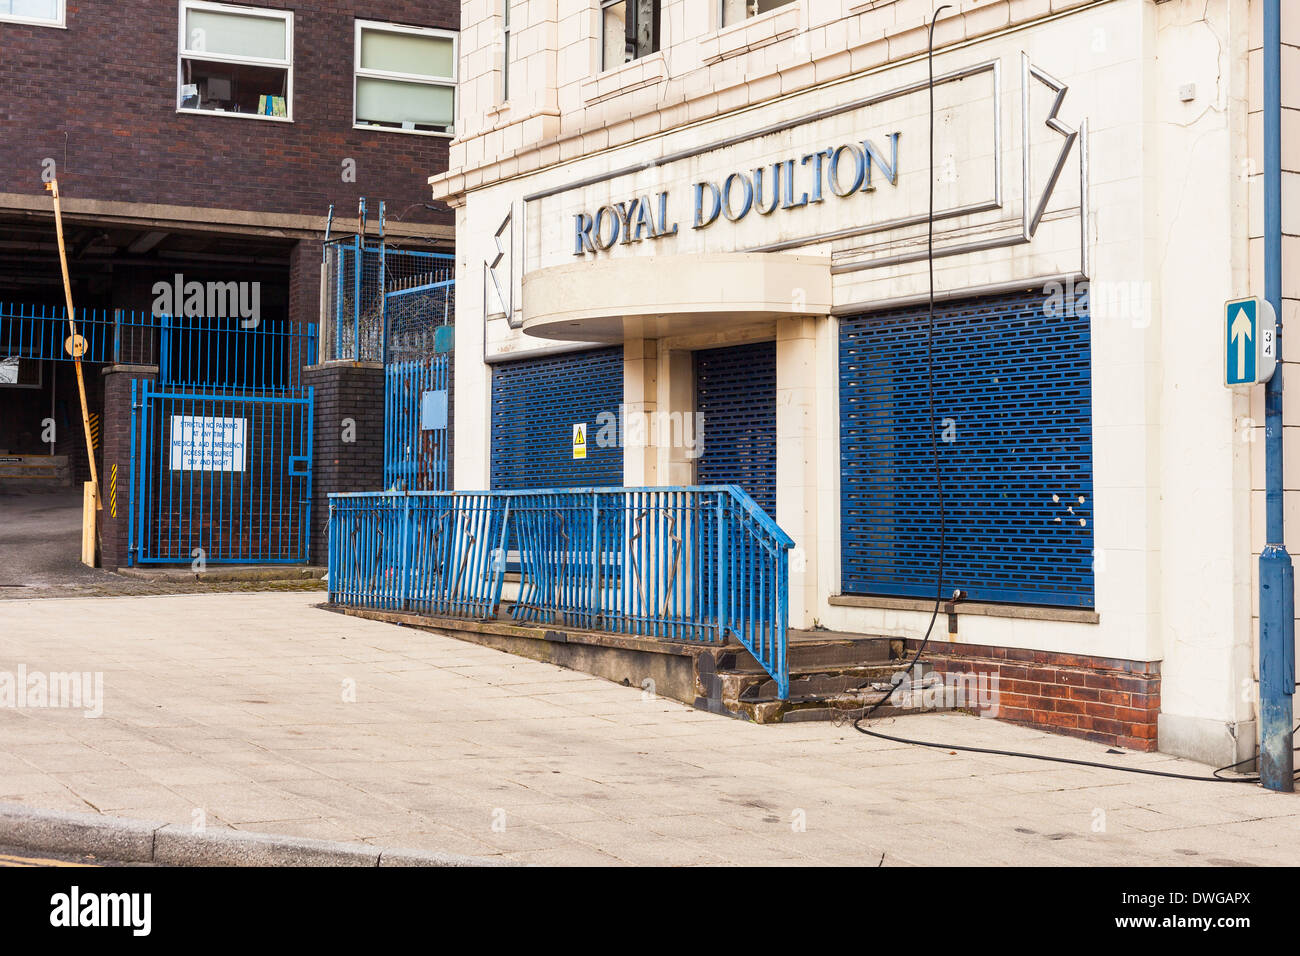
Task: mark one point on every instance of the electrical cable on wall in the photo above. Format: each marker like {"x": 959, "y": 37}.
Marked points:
{"x": 906, "y": 673}
{"x": 934, "y": 440}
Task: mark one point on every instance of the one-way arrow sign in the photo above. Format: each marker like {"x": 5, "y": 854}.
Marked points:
{"x": 1250, "y": 342}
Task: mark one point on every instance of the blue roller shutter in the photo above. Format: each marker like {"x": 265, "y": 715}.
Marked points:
{"x": 1013, "y": 410}
{"x": 735, "y": 391}
{"x": 536, "y": 403}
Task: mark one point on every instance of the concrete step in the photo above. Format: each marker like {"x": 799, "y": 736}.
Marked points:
{"x": 809, "y": 651}
{"x": 826, "y": 682}
{"x": 839, "y": 708}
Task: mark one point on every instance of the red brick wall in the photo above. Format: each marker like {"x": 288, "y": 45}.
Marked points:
{"x": 109, "y": 83}
{"x": 1108, "y": 700}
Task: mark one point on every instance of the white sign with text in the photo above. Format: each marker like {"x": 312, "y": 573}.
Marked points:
{"x": 207, "y": 444}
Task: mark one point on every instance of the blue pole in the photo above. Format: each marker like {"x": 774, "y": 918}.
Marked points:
{"x": 1276, "y": 576}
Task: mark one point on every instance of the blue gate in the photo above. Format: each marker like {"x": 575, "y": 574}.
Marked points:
{"x": 417, "y": 424}
{"x": 418, "y": 339}
{"x": 221, "y": 446}
{"x": 225, "y": 478}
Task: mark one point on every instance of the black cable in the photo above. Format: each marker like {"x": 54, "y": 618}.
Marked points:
{"x": 1214, "y": 778}
{"x": 938, "y": 478}
{"x": 934, "y": 440}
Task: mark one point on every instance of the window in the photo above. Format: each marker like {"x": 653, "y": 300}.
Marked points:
{"x": 405, "y": 78}
{"x": 236, "y": 60}
{"x": 19, "y": 372}
{"x": 505, "y": 50}
{"x": 1015, "y": 445}
{"x": 44, "y": 12}
{"x": 629, "y": 30}
{"x": 733, "y": 11}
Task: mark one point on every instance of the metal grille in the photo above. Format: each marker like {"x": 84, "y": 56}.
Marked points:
{"x": 352, "y": 326}
{"x": 536, "y": 403}
{"x": 414, "y": 317}
{"x": 357, "y": 274}
{"x": 1013, "y": 413}
{"x": 735, "y": 391}
{"x": 417, "y": 424}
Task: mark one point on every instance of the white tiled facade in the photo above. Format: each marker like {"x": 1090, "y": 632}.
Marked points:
{"x": 1158, "y": 203}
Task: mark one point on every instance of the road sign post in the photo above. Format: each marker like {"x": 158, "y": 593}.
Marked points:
{"x": 1250, "y": 352}
{"x": 1250, "y": 342}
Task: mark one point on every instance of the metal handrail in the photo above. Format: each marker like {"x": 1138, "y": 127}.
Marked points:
{"x": 696, "y": 563}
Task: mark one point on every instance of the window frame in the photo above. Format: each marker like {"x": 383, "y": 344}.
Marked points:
{"x": 40, "y": 373}
{"x": 422, "y": 80}
{"x": 722, "y": 13}
{"x": 656, "y": 31}
{"x": 506, "y": 33}
{"x": 60, "y": 22}
{"x": 286, "y": 64}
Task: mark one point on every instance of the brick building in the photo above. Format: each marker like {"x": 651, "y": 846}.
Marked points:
{"x": 207, "y": 141}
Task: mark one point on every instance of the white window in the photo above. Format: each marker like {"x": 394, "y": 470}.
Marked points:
{"x": 235, "y": 60}
{"x": 505, "y": 50}
{"x": 48, "y": 13}
{"x": 405, "y": 78}
{"x": 733, "y": 11}
{"x": 629, "y": 30}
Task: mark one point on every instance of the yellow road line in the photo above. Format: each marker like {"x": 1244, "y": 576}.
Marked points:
{"x": 7, "y": 860}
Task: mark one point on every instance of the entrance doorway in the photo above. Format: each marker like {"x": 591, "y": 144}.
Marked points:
{"x": 735, "y": 392}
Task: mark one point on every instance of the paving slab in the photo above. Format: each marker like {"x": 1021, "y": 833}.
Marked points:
{"x": 259, "y": 713}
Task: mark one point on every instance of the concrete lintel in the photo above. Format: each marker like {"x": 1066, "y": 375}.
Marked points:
{"x": 202, "y": 218}
{"x": 1016, "y": 611}
{"x": 340, "y": 363}
{"x": 139, "y": 371}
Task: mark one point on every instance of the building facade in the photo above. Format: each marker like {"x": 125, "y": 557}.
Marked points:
{"x": 210, "y": 143}
{"x": 706, "y": 224}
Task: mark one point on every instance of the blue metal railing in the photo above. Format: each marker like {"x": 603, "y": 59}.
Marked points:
{"x": 698, "y": 564}
{"x": 212, "y": 352}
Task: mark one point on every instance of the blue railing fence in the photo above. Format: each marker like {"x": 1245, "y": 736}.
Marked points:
{"x": 202, "y": 351}
{"x": 697, "y": 564}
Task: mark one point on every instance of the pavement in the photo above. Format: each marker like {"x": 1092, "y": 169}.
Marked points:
{"x": 263, "y": 713}
{"x": 40, "y": 556}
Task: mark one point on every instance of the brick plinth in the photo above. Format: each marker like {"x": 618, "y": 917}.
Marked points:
{"x": 1108, "y": 700}
{"x": 115, "y": 473}
{"x": 348, "y": 435}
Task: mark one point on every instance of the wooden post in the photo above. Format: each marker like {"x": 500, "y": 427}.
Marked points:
{"x": 74, "y": 344}
{"x": 88, "y": 507}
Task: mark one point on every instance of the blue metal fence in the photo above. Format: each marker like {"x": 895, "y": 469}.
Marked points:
{"x": 226, "y": 352}
{"x": 696, "y": 564}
